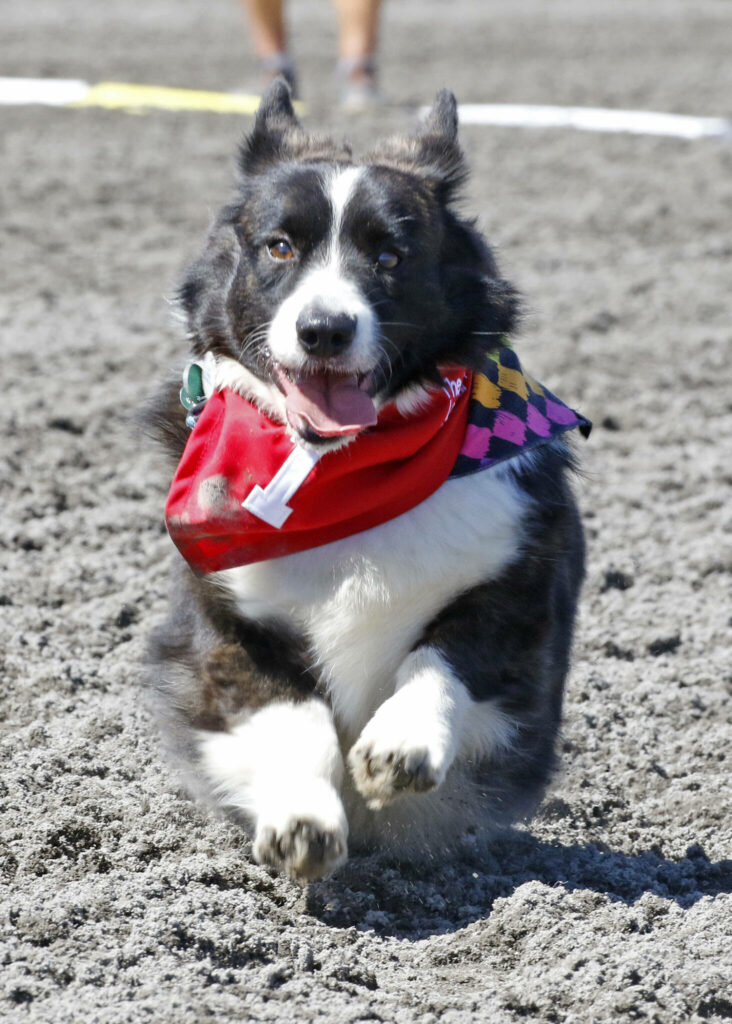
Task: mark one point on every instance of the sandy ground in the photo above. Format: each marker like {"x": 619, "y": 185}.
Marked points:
{"x": 121, "y": 901}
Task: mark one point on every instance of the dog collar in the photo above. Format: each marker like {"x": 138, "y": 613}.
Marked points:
{"x": 245, "y": 492}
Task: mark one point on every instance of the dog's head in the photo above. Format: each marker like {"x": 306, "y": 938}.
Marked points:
{"x": 329, "y": 287}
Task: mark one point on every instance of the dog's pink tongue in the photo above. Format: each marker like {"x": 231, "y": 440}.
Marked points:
{"x": 332, "y": 405}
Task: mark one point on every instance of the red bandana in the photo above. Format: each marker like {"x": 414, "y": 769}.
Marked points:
{"x": 245, "y": 492}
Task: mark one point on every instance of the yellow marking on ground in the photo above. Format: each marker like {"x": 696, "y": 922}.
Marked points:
{"x": 512, "y": 380}
{"x": 124, "y": 96}
{"x": 486, "y": 392}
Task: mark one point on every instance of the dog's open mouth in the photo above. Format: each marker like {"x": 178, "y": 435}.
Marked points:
{"x": 327, "y": 404}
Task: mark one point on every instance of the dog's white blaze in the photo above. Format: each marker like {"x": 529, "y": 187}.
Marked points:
{"x": 327, "y": 287}
{"x": 339, "y": 188}
{"x": 364, "y": 601}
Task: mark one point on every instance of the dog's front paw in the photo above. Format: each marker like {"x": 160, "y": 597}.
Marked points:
{"x": 304, "y": 849}
{"x": 391, "y": 758}
{"x": 305, "y": 836}
{"x": 381, "y": 777}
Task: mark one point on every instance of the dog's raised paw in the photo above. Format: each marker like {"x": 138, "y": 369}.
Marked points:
{"x": 404, "y": 749}
{"x": 382, "y": 776}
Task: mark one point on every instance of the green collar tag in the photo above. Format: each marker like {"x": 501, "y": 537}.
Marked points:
{"x": 192, "y": 393}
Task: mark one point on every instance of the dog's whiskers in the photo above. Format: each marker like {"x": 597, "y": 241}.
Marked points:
{"x": 253, "y": 338}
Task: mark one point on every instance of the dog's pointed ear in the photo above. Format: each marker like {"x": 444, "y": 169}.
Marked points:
{"x": 442, "y": 119}
{"x": 433, "y": 153}
{"x": 275, "y": 108}
{"x": 274, "y": 124}
{"x": 440, "y": 157}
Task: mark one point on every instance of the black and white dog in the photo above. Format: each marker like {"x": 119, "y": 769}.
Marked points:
{"x": 403, "y": 683}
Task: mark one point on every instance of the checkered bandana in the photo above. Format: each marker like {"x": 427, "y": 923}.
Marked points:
{"x": 509, "y": 413}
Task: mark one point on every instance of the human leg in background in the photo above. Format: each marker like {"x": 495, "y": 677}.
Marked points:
{"x": 267, "y": 25}
{"x": 358, "y": 26}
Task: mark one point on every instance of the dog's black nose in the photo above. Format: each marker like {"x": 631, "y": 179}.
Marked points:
{"x": 325, "y": 334}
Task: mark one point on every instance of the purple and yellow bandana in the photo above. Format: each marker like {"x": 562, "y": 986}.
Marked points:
{"x": 510, "y": 413}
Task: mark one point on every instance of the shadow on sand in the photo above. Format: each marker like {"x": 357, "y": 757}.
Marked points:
{"x": 409, "y": 899}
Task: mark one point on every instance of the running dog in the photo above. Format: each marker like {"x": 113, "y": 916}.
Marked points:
{"x": 371, "y": 620}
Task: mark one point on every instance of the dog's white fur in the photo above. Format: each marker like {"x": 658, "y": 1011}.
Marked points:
{"x": 339, "y": 189}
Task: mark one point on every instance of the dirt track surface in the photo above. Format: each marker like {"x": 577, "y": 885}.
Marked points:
{"x": 122, "y": 901}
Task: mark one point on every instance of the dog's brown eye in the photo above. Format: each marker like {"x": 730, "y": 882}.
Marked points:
{"x": 388, "y": 260}
{"x": 281, "y": 250}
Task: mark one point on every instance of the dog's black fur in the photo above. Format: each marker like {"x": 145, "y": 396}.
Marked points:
{"x": 507, "y": 639}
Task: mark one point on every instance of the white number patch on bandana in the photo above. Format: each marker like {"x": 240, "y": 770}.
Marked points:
{"x": 270, "y": 503}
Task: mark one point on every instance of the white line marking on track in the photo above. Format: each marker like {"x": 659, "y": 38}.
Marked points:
{"x": 595, "y": 119}
{"x": 62, "y": 92}
{"x": 53, "y": 92}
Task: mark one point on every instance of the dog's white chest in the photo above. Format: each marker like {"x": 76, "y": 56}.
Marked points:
{"x": 363, "y": 602}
